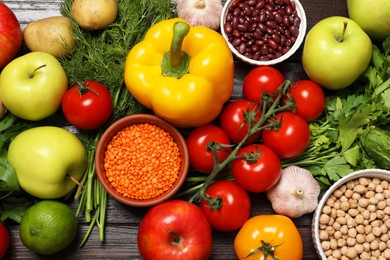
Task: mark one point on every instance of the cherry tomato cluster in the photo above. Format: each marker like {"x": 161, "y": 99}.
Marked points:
{"x": 256, "y": 165}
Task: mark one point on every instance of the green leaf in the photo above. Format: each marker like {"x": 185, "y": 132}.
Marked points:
{"x": 349, "y": 126}
{"x": 352, "y": 155}
{"x": 337, "y": 168}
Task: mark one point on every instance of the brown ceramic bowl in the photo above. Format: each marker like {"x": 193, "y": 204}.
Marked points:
{"x": 140, "y": 119}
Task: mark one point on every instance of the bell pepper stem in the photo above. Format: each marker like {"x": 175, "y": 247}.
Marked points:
{"x": 180, "y": 30}
{"x": 175, "y": 63}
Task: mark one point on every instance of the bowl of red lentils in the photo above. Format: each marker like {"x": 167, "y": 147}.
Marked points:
{"x": 263, "y": 32}
{"x": 352, "y": 219}
{"x": 141, "y": 160}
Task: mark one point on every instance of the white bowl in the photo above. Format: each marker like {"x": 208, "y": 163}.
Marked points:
{"x": 368, "y": 173}
{"x": 294, "y": 48}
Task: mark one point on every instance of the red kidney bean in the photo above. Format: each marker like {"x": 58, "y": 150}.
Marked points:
{"x": 294, "y": 31}
{"x": 262, "y": 29}
{"x": 271, "y": 24}
{"x": 236, "y": 42}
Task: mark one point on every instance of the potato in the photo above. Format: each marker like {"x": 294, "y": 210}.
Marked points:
{"x": 53, "y": 35}
{"x": 94, "y": 14}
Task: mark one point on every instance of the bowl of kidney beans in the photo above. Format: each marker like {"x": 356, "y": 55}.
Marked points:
{"x": 263, "y": 32}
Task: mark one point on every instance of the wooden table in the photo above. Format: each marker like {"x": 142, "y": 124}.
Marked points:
{"x": 123, "y": 221}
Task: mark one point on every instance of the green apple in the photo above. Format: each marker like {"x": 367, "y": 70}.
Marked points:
{"x": 336, "y": 52}
{"x": 48, "y": 160}
{"x": 373, "y": 16}
{"x": 32, "y": 85}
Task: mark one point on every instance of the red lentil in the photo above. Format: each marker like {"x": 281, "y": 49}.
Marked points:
{"x": 142, "y": 161}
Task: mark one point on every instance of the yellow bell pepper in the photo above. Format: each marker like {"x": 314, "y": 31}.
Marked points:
{"x": 183, "y": 73}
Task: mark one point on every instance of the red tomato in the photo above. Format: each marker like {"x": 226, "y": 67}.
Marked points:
{"x": 260, "y": 80}
{"x": 233, "y": 120}
{"x": 257, "y": 175}
{"x": 234, "y": 206}
{"x": 291, "y": 139}
{"x": 87, "y": 106}
{"x": 201, "y": 158}
{"x": 4, "y": 240}
{"x": 309, "y": 99}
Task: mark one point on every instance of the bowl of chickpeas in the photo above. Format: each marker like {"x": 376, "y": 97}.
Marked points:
{"x": 141, "y": 160}
{"x": 352, "y": 219}
{"x": 263, "y": 32}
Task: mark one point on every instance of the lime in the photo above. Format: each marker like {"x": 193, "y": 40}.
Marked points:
{"x": 48, "y": 227}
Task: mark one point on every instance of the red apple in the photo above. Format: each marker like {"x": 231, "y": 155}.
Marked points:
{"x": 11, "y": 36}
{"x": 175, "y": 229}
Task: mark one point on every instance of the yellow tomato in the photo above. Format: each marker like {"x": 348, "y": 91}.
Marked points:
{"x": 268, "y": 237}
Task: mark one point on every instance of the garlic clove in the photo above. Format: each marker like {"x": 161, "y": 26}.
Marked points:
{"x": 295, "y": 194}
{"x": 200, "y": 12}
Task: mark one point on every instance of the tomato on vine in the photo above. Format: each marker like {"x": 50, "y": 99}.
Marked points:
{"x": 257, "y": 168}
{"x": 309, "y": 99}
{"x": 260, "y": 80}
{"x": 229, "y": 206}
{"x": 200, "y": 142}
{"x": 268, "y": 237}
{"x": 234, "y": 120}
{"x": 291, "y": 138}
{"x": 87, "y": 105}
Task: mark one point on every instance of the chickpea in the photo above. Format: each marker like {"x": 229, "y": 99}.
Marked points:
{"x": 369, "y": 194}
{"x": 350, "y": 185}
{"x": 373, "y": 200}
{"x": 380, "y": 214}
{"x": 386, "y": 194}
{"x": 360, "y": 189}
{"x": 379, "y": 196}
{"x": 359, "y": 248}
{"x": 363, "y": 202}
{"x": 351, "y": 241}
{"x": 382, "y": 246}
{"x": 333, "y": 243}
{"x": 324, "y": 219}
{"x": 351, "y": 252}
{"x": 386, "y": 210}
{"x": 371, "y": 186}
{"x": 338, "y": 193}
{"x": 360, "y": 238}
{"x": 341, "y": 242}
{"x": 370, "y": 237}
{"x": 371, "y": 208}
{"x": 386, "y": 253}
{"x": 338, "y": 234}
{"x": 351, "y": 223}
{"x": 340, "y": 213}
{"x": 356, "y": 196}
{"x": 365, "y": 256}
{"x": 325, "y": 245}
{"x": 348, "y": 194}
{"x": 377, "y": 231}
{"x": 374, "y": 245}
{"x": 323, "y": 235}
{"x": 352, "y": 232}
{"x": 326, "y": 210}
{"x": 336, "y": 254}
{"x": 366, "y": 246}
{"x": 381, "y": 204}
{"x": 353, "y": 212}
{"x": 364, "y": 181}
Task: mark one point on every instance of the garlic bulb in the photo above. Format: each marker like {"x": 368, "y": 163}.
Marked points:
{"x": 200, "y": 12}
{"x": 295, "y": 194}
